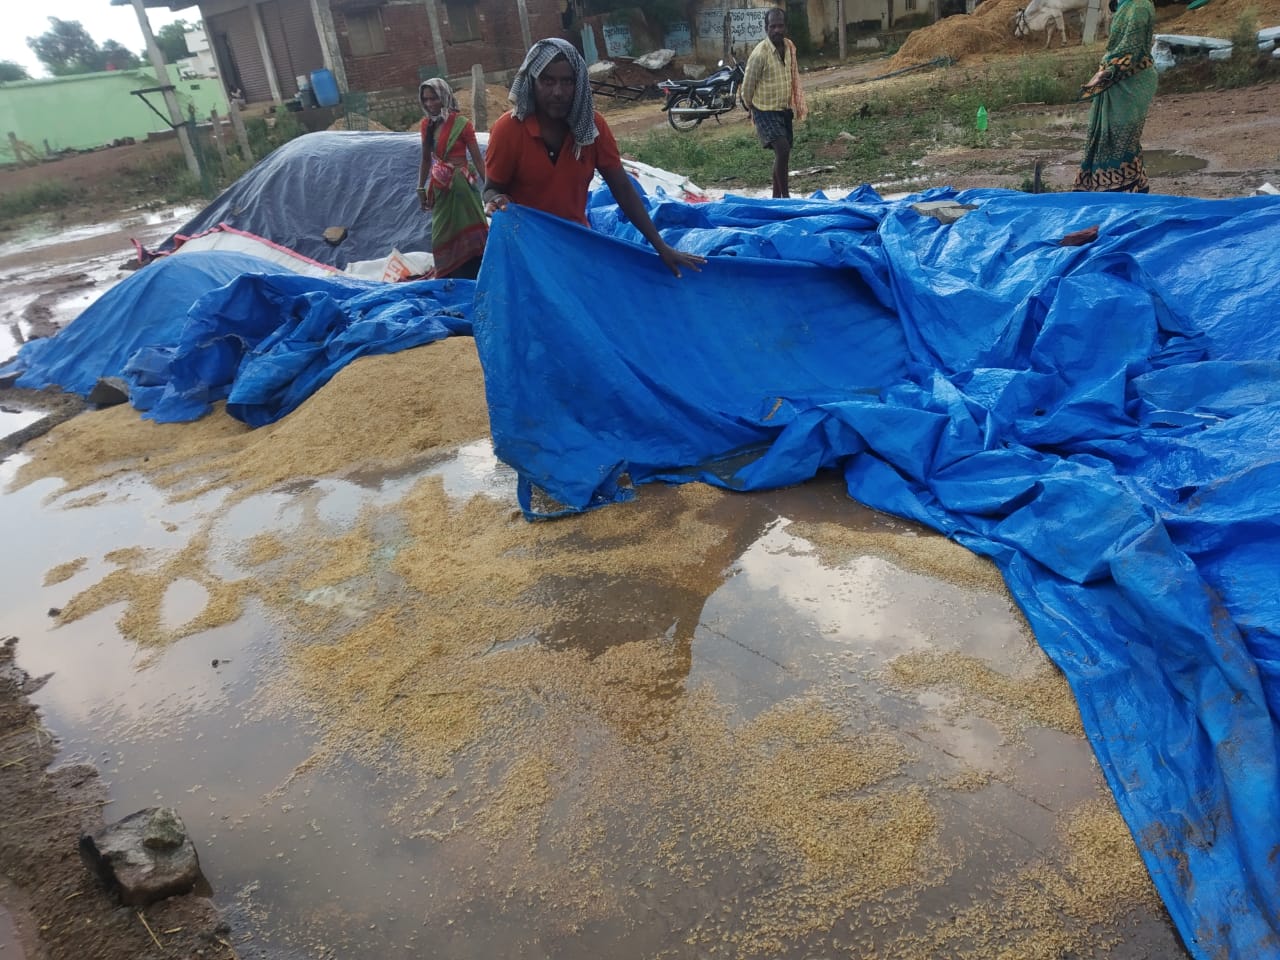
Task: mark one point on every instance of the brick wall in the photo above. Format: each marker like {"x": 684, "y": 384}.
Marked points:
{"x": 409, "y": 45}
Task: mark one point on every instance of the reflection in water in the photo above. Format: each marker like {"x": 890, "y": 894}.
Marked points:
{"x": 332, "y": 856}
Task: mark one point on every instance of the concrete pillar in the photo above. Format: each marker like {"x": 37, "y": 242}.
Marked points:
{"x": 479, "y": 98}
{"x": 242, "y": 135}
{"x": 437, "y": 38}
{"x": 1092, "y": 14}
{"x": 217, "y": 136}
{"x": 525, "y": 33}
{"x": 170, "y": 98}
{"x": 329, "y": 48}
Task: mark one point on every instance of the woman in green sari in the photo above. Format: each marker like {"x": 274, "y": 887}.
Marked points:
{"x": 459, "y": 229}
{"x": 1121, "y": 91}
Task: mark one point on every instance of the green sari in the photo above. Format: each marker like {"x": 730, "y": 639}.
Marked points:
{"x": 459, "y": 229}
{"x": 1113, "y": 151}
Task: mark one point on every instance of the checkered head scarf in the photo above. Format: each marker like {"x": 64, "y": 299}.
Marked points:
{"x": 448, "y": 102}
{"x": 582, "y": 115}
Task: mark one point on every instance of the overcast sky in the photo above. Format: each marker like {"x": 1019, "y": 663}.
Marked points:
{"x": 25, "y": 18}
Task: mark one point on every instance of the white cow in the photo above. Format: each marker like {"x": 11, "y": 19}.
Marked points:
{"x": 1047, "y": 14}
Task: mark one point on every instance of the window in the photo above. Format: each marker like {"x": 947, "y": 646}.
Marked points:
{"x": 364, "y": 32}
{"x": 464, "y": 21}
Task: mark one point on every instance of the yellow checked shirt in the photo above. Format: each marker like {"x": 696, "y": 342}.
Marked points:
{"x": 767, "y": 82}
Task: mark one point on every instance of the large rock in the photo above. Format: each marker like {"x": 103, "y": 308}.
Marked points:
{"x": 109, "y": 391}
{"x": 143, "y": 858}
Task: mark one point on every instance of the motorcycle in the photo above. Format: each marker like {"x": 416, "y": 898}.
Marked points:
{"x": 689, "y": 102}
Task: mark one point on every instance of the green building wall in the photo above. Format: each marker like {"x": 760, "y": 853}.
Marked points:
{"x": 93, "y": 109}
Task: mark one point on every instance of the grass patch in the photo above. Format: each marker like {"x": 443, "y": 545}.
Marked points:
{"x": 40, "y": 198}
{"x": 873, "y": 133}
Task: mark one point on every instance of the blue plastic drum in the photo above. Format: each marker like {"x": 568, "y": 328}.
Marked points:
{"x": 325, "y": 87}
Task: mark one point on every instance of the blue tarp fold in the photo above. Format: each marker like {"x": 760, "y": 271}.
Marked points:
{"x": 266, "y": 343}
{"x": 1100, "y": 420}
{"x": 199, "y": 327}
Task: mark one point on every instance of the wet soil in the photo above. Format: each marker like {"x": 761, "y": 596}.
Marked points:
{"x": 50, "y": 905}
{"x": 1235, "y": 133}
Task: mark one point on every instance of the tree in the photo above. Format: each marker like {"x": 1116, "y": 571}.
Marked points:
{"x": 172, "y": 41}
{"x": 66, "y": 48}
{"x": 114, "y": 56}
{"x": 12, "y": 71}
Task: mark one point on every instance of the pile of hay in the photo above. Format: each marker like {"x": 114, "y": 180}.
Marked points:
{"x": 495, "y": 102}
{"x": 1219, "y": 18}
{"x": 989, "y": 29}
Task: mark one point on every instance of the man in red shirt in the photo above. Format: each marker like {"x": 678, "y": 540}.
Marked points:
{"x": 543, "y": 152}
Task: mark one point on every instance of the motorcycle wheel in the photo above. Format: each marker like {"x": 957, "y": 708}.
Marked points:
{"x": 682, "y": 123}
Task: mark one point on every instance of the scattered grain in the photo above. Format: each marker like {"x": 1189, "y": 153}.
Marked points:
{"x": 64, "y": 571}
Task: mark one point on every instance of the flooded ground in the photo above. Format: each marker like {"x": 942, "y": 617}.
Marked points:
{"x": 363, "y": 859}
{"x": 50, "y": 272}
{"x": 399, "y": 720}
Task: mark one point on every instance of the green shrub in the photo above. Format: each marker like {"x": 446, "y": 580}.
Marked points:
{"x": 39, "y": 198}
{"x": 1245, "y": 66}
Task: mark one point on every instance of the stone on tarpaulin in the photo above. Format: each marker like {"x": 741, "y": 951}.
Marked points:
{"x": 143, "y": 858}
{"x": 944, "y": 211}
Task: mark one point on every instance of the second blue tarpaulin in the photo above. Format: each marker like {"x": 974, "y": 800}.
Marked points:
{"x": 1101, "y": 420}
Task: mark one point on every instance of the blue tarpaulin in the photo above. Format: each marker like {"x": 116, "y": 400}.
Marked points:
{"x": 266, "y": 343}
{"x": 1103, "y": 421}
{"x": 360, "y": 180}
{"x": 195, "y": 328}
{"x": 148, "y": 307}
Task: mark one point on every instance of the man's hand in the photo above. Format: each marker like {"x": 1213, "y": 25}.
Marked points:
{"x": 496, "y": 203}
{"x": 675, "y": 259}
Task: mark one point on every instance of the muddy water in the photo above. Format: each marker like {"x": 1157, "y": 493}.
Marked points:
{"x": 318, "y": 860}
{"x": 49, "y": 274}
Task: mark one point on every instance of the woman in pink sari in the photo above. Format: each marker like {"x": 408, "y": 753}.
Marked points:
{"x": 446, "y": 183}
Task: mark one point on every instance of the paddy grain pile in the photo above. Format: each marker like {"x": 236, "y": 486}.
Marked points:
{"x": 533, "y": 686}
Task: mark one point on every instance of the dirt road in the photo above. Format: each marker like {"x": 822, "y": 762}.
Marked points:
{"x": 1215, "y": 144}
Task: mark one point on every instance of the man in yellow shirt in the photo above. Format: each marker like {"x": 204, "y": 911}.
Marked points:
{"x": 771, "y": 91}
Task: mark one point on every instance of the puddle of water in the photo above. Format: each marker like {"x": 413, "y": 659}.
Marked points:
{"x": 1165, "y": 163}
{"x": 42, "y": 233}
{"x": 11, "y": 421}
{"x": 316, "y": 860}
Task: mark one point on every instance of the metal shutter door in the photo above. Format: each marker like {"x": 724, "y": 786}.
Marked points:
{"x": 242, "y": 46}
{"x": 294, "y": 41}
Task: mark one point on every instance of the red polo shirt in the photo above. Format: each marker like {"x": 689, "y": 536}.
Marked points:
{"x": 517, "y": 157}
